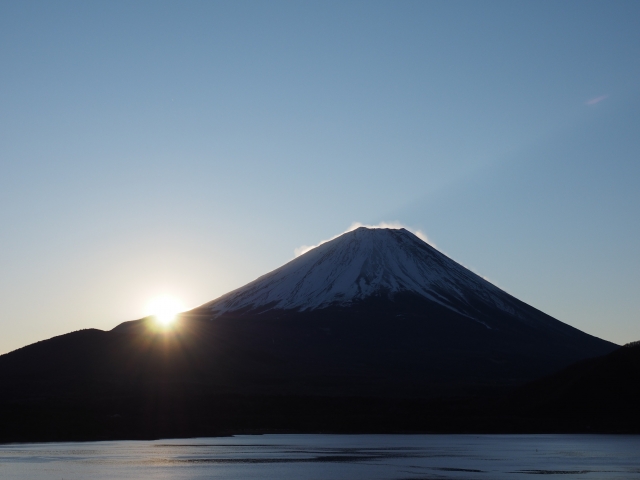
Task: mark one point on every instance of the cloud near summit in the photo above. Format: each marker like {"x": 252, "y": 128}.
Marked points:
{"x": 418, "y": 233}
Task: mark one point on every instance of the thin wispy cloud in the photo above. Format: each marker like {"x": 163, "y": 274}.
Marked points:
{"x": 396, "y": 225}
{"x": 596, "y": 100}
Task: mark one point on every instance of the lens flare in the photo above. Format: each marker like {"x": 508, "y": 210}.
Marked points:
{"x": 165, "y": 309}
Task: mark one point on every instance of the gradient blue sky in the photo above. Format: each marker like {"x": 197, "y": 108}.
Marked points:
{"x": 186, "y": 148}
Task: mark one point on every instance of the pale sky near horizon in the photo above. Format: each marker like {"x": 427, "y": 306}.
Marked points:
{"x": 185, "y": 148}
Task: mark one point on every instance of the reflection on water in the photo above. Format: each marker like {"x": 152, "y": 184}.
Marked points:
{"x": 353, "y": 457}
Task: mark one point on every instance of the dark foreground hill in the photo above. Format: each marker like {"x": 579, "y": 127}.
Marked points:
{"x": 153, "y": 392}
{"x": 599, "y": 394}
{"x": 372, "y": 331}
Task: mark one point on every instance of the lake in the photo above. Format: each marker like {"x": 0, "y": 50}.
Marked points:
{"x": 344, "y": 457}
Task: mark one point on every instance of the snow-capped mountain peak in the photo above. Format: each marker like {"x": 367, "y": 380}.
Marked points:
{"x": 360, "y": 264}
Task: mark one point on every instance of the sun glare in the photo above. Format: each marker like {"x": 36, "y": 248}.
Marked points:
{"x": 165, "y": 309}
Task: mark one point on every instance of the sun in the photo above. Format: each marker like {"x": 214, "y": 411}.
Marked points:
{"x": 165, "y": 308}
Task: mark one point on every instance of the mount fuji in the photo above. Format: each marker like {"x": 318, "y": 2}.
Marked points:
{"x": 382, "y": 263}
{"x": 381, "y": 312}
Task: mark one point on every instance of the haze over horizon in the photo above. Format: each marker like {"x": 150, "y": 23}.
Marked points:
{"x": 184, "y": 149}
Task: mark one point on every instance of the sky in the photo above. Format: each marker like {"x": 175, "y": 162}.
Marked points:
{"x": 186, "y": 148}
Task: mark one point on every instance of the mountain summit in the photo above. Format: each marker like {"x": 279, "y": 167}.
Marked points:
{"x": 375, "y": 262}
{"x": 359, "y": 264}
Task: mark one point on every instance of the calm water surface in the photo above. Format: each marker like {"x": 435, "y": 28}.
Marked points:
{"x": 349, "y": 457}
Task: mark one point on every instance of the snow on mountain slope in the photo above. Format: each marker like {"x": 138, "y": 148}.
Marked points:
{"x": 362, "y": 263}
